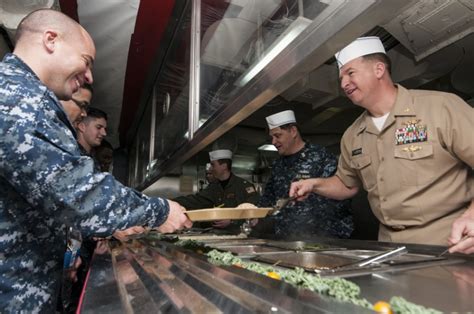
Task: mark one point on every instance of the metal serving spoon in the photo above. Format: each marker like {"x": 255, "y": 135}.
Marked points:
{"x": 281, "y": 203}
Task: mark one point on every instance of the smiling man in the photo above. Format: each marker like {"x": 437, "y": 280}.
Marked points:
{"x": 411, "y": 150}
{"x": 46, "y": 185}
{"x": 76, "y": 108}
{"x": 92, "y": 130}
{"x": 301, "y": 160}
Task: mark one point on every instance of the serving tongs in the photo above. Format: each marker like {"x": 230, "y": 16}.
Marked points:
{"x": 378, "y": 258}
{"x": 447, "y": 250}
{"x": 280, "y": 204}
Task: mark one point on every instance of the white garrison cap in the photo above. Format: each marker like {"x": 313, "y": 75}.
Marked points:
{"x": 362, "y": 46}
{"x": 281, "y": 118}
{"x": 220, "y": 154}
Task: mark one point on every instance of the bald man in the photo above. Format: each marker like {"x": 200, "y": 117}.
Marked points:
{"x": 45, "y": 183}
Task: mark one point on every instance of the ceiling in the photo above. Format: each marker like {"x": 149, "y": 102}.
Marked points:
{"x": 127, "y": 34}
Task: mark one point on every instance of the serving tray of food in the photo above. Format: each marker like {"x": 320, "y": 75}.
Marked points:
{"x": 219, "y": 213}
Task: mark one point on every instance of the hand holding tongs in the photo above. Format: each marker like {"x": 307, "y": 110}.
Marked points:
{"x": 280, "y": 203}
{"x": 447, "y": 250}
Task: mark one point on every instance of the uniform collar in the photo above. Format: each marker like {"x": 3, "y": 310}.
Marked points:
{"x": 14, "y": 60}
{"x": 298, "y": 153}
{"x": 403, "y": 107}
{"x": 404, "y": 103}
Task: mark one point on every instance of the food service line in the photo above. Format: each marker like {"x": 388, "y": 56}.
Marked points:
{"x": 149, "y": 273}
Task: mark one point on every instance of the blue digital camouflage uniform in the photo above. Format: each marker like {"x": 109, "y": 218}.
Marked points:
{"x": 46, "y": 185}
{"x": 316, "y": 215}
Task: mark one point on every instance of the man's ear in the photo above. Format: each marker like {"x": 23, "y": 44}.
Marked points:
{"x": 81, "y": 127}
{"x": 379, "y": 69}
{"x": 50, "y": 39}
{"x": 293, "y": 131}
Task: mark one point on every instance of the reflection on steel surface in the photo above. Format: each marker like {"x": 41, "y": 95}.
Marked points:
{"x": 150, "y": 275}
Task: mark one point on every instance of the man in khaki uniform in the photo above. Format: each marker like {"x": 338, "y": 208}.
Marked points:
{"x": 412, "y": 150}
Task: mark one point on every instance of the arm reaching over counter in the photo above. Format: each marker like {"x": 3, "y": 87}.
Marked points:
{"x": 331, "y": 187}
{"x": 463, "y": 226}
{"x": 176, "y": 219}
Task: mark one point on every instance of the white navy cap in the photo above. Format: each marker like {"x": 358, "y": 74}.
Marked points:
{"x": 281, "y": 118}
{"x": 362, "y": 46}
{"x": 220, "y": 154}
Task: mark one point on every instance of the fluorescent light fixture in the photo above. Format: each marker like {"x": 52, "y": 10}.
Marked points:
{"x": 268, "y": 147}
{"x": 295, "y": 28}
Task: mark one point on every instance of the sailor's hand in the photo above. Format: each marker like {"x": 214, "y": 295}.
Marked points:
{"x": 72, "y": 272}
{"x": 176, "y": 220}
{"x": 123, "y": 234}
{"x": 463, "y": 226}
{"x": 301, "y": 189}
{"x": 221, "y": 223}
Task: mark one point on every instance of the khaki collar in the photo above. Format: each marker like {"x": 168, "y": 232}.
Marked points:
{"x": 403, "y": 104}
{"x": 403, "y": 107}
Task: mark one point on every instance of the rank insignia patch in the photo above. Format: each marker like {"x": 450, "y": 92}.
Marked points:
{"x": 412, "y": 132}
{"x": 250, "y": 189}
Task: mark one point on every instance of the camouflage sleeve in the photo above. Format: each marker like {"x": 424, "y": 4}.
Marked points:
{"x": 42, "y": 163}
{"x": 268, "y": 197}
{"x": 330, "y": 164}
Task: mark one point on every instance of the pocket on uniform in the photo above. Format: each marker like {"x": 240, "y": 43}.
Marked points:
{"x": 363, "y": 166}
{"x": 415, "y": 163}
{"x": 422, "y": 152}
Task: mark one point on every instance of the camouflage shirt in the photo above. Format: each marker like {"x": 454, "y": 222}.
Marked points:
{"x": 316, "y": 215}
{"x": 46, "y": 185}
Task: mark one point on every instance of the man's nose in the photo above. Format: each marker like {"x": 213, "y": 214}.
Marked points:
{"x": 88, "y": 76}
{"x": 344, "y": 81}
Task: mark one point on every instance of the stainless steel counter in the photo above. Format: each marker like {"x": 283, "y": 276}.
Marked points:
{"x": 149, "y": 275}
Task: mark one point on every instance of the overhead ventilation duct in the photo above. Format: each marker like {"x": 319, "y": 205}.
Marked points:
{"x": 430, "y": 25}
{"x": 316, "y": 88}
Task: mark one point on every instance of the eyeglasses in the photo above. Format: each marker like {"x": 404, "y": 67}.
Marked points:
{"x": 81, "y": 104}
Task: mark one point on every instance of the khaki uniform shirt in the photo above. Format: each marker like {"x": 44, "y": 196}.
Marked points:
{"x": 418, "y": 169}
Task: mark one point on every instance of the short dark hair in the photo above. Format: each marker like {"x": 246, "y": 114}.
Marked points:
{"x": 228, "y": 162}
{"x": 95, "y": 113}
{"x": 380, "y": 57}
{"x": 288, "y": 126}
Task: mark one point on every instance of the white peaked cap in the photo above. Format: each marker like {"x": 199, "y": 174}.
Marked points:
{"x": 362, "y": 46}
{"x": 220, "y": 154}
{"x": 281, "y": 118}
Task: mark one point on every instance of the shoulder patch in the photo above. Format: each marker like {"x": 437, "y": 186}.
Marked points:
{"x": 250, "y": 189}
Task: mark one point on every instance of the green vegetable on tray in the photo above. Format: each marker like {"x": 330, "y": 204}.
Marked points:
{"x": 401, "y": 306}
{"x": 338, "y": 288}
